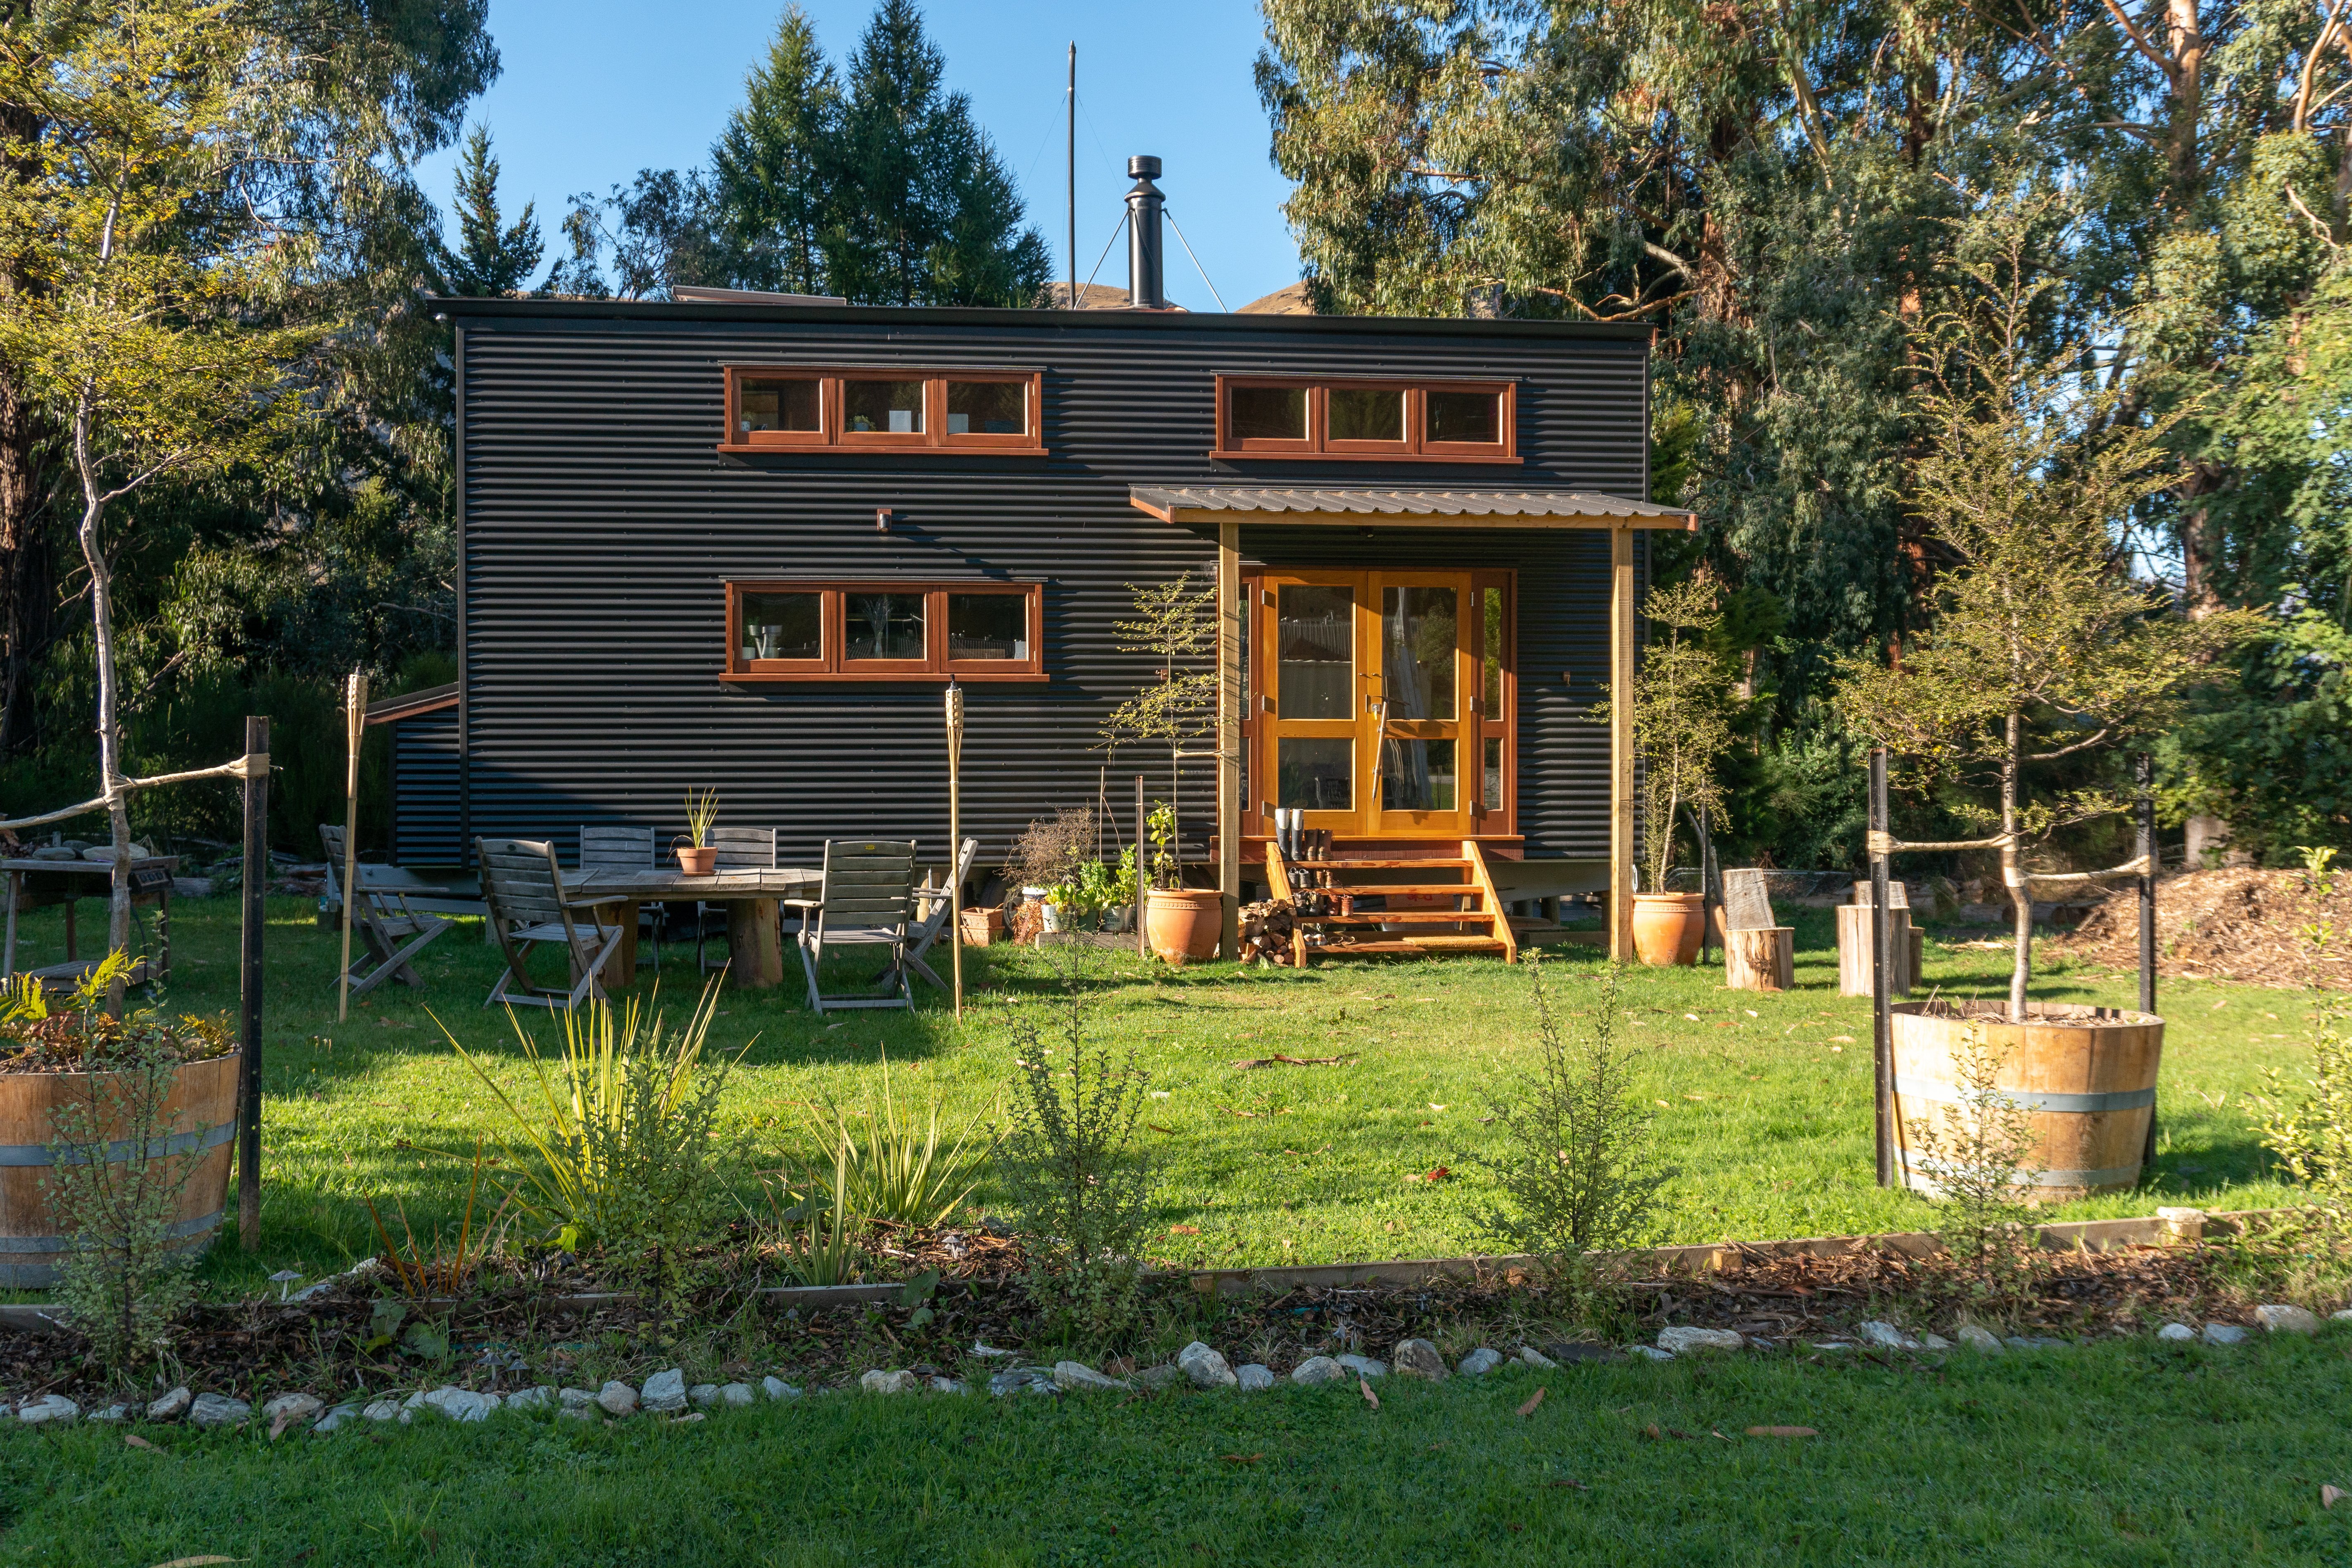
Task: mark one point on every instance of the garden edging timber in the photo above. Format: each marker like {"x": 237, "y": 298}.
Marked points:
{"x": 1704, "y": 1257}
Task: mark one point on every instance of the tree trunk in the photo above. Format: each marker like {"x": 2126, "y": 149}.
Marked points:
{"x": 2012, "y": 867}
{"x": 110, "y": 733}
{"x": 26, "y": 564}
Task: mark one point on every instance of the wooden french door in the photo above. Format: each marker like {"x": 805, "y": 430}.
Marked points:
{"x": 1382, "y": 701}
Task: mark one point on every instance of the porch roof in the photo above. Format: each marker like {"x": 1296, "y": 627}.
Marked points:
{"x": 1417, "y": 509}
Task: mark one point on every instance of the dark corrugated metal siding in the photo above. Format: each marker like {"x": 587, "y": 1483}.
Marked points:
{"x": 424, "y": 790}
{"x": 599, "y": 524}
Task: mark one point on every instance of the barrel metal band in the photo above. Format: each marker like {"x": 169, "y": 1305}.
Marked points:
{"x": 2033, "y": 1099}
{"x": 186, "y": 1228}
{"x": 119, "y": 1150}
{"x": 2114, "y": 1175}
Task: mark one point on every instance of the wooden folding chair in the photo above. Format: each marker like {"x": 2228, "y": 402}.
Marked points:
{"x": 611, "y": 849}
{"x": 934, "y": 907}
{"x": 867, "y": 901}
{"x": 523, "y": 888}
{"x": 740, "y": 849}
{"x": 390, "y": 932}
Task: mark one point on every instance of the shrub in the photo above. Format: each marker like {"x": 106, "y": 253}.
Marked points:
{"x": 1577, "y": 1172}
{"x": 1081, "y": 1188}
{"x": 2311, "y": 1130}
{"x": 622, "y": 1134}
{"x": 1975, "y": 1154}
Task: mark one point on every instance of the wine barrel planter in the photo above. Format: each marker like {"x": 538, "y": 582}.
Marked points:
{"x": 1667, "y": 927}
{"x": 203, "y": 1109}
{"x": 2086, "y": 1078}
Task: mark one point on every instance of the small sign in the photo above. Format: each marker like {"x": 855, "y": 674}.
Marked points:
{"x": 147, "y": 878}
{"x": 1746, "y": 905}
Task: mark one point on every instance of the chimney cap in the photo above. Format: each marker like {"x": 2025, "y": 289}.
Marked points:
{"x": 1143, "y": 167}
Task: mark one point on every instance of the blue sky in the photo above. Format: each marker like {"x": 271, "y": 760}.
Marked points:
{"x": 594, "y": 90}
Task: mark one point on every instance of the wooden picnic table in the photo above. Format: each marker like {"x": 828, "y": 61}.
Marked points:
{"x": 754, "y": 945}
{"x": 67, "y": 882}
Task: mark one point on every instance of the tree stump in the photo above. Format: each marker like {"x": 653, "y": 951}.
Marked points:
{"x": 1760, "y": 960}
{"x": 1853, "y": 952}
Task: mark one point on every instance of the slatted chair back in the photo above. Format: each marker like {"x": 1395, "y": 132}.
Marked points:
{"x": 522, "y": 887}
{"x": 521, "y": 882}
{"x": 615, "y": 848}
{"x": 744, "y": 848}
{"x": 869, "y": 883}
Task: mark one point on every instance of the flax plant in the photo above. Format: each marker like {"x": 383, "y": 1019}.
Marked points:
{"x": 897, "y": 1170}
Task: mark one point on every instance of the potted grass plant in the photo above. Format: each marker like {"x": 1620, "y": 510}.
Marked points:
{"x": 698, "y": 856}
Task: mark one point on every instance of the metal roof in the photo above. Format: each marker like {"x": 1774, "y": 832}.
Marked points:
{"x": 1509, "y": 508}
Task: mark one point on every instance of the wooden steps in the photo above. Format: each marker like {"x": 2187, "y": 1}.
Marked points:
{"x": 1325, "y": 893}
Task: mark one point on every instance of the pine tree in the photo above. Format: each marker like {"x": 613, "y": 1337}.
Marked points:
{"x": 490, "y": 260}
{"x": 892, "y": 179}
{"x": 988, "y": 256}
{"x": 773, "y": 168}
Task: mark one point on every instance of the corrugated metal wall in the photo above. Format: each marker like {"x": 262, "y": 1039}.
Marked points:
{"x": 600, "y": 523}
{"x": 424, "y": 790}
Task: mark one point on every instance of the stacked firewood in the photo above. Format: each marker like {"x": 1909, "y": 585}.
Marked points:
{"x": 1266, "y": 931}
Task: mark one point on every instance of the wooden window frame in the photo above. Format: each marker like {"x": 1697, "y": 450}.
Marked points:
{"x": 1415, "y": 448}
{"x": 833, "y": 412}
{"x": 835, "y": 667}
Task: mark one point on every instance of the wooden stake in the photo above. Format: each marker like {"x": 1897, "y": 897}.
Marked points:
{"x": 2146, "y": 769}
{"x": 248, "y": 1017}
{"x": 1620, "y": 746}
{"x": 354, "y": 731}
{"x": 955, "y": 838}
{"x": 1142, "y": 875}
{"x": 1229, "y": 739}
{"x": 1882, "y": 961}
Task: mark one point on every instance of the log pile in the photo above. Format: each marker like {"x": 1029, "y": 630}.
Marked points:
{"x": 1266, "y": 931}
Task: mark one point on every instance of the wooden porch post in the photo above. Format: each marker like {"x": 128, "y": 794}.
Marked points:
{"x": 1621, "y": 745}
{"x": 1229, "y": 735}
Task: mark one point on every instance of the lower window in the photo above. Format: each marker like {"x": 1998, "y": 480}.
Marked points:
{"x": 884, "y": 631}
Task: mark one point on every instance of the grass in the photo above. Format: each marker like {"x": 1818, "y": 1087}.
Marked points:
{"x": 1762, "y": 1101}
{"x": 2125, "y": 1453}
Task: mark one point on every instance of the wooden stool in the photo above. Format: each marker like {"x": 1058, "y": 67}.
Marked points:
{"x": 1760, "y": 960}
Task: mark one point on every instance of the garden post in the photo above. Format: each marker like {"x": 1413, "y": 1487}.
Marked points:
{"x": 1620, "y": 746}
{"x": 955, "y": 839}
{"x": 1882, "y": 961}
{"x": 1229, "y": 739}
{"x": 1142, "y": 875}
{"x": 354, "y": 732}
{"x": 2146, "y": 770}
{"x": 256, "y": 881}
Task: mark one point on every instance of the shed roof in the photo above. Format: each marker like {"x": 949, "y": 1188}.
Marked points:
{"x": 1423, "y": 509}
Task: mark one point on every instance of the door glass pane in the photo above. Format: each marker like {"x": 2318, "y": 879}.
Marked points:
{"x": 988, "y": 625}
{"x": 884, "y": 626}
{"x": 1417, "y": 643}
{"x": 1465, "y": 417}
{"x": 1267, "y": 413}
{"x": 1494, "y": 770}
{"x": 1360, "y": 416}
{"x": 1315, "y": 646}
{"x": 892, "y": 407}
{"x": 1417, "y": 775}
{"x": 782, "y": 625}
{"x": 988, "y": 408}
{"x": 1318, "y": 771}
{"x": 776, "y": 406}
{"x": 1490, "y": 657}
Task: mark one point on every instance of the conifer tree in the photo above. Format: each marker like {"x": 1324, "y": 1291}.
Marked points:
{"x": 491, "y": 258}
{"x": 773, "y": 169}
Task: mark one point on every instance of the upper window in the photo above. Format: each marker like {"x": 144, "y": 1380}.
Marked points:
{"x": 884, "y": 631}
{"x": 1429, "y": 421}
{"x": 917, "y": 410}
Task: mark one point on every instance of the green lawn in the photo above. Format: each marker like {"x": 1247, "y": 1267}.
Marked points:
{"x": 2125, "y": 1453}
{"x": 1766, "y": 1099}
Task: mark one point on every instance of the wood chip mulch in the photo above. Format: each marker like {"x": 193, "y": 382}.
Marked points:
{"x": 2236, "y": 924}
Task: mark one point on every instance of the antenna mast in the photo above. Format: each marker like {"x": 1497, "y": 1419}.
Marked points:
{"x": 1070, "y": 145}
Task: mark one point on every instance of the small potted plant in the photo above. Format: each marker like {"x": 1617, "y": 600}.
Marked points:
{"x": 698, "y": 856}
{"x": 1181, "y": 922}
{"x": 1682, "y": 727}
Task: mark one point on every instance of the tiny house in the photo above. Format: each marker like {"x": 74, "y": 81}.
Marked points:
{"x": 744, "y": 541}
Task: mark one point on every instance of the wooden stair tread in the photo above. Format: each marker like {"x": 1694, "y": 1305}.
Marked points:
{"x": 1455, "y": 943}
{"x": 1401, "y": 916}
{"x": 1371, "y": 889}
{"x": 1369, "y": 865}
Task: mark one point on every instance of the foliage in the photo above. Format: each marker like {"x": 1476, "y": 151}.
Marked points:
{"x": 701, "y": 810}
{"x": 1095, "y": 888}
{"x": 85, "y": 1038}
{"x": 897, "y": 1170}
{"x": 2311, "y": 1132}
{"x": 424, "y": 1271}
{"x": 1682, "y": 725}
{"x": 818, "y": 1231}
{"x": 1081, "y": 1188}
{"x": 1049, "y": 853}
{"x": 1166, "y": 863}
{"x": 1578, "y": 1173}
{"x": 621, "y": 1135}
{"x": 1977, "y": 1154}
{"x": 494, "y": 256}
{"x": 1175, "y": 625}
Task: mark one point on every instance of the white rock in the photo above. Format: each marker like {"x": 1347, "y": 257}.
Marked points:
{"x": 296, "y": 1406}
{"x": 1205, "y": 1366}
{"x": 2176, "y": 1332}
{"x": 665, "y": 1391}
{"x": 1832, "y": 1345}
{"x": 49, "y": 1410}
{"x": 576, "y": 1398}
{"x": 948, "y": 1385}
{"x": 172, "y": 1407}
{"x": 617, "y": 1398}
{"x": 219, "y": 1410}
{"x": 1683, "y": 1340}
{"x": 2286, "y": 1319}
{"x": 2224, "y": 1335}
{"x": 1887, "y": 1336}
{"x": 341, "y": 1416}
{"x": 777, "y": 1389}
{"x": 1319, "y": 1368}
{"x": 1364, "y": 1366}
{"x": 1419, "y": 1358}
{"x": 1167, "y": 1375}
{"x": 735, "y": 1394}
{"x": 1651, "y": 1353}
{"x": 456, "y": 1403}
{"x": 1983, "y": 1341}
{"x": 1536, "y": 1358}
{"x": 880, "y": 1382}
{"x": 988, "y": 1351}
{"x": 2343, "y": 1317}
{"x": 1253, "y": 1377}
{"x": 1077, "y": 1377}
{"x": 540, "y": 1398}
{"x": 1022, "y": 1380}
{"x": 112, "y": 1413}
{"x": 703, "y": 1395}
{"x": 1935, "y": 1343}
{"x": 382, "y": 1410}
{"x": 2033, "y": 1343}
{"x": 1479, "y": 1363}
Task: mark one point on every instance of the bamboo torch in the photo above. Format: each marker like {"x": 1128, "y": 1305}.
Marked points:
{"x": 955, "y": 840}
{"x": 354, "y": 726}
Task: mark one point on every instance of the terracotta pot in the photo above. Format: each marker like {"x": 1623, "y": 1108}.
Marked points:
{"x": 698, "y": 860}
{"x": 2086, "y": 1078}
{"x": 982, "y": 927}
{"x": 203, "y": 1106}
{"x": 1667, "y": 927}
{"x": 1182, "y": 922}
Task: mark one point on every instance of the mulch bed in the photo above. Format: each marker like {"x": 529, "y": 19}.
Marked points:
{"x": 2236, "y": 924}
